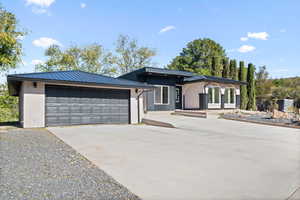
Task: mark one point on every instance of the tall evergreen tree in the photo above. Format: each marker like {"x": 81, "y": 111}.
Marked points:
{"x": 233, "y": 70}
{"x": 251, "y": 87}
{"x": 225, "y": 72}
{"x": 216, "y": 67}
{"x": 243, "y": 88}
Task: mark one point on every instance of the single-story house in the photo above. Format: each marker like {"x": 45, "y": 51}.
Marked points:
{"x": 74, "y": 97}
{"x": 185, "y": 90}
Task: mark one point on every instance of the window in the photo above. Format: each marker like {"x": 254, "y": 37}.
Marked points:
{"x": 232, "y": 96}
{"x": 177, "y": 95}
{"x": 226, "y": 96}
{"x": 210, "y": 95}
{"x": 217, "y": 95}
{"x": 229, "y": 96}
{"x": 161, "y": 95}
{"x": 214, "y": 95}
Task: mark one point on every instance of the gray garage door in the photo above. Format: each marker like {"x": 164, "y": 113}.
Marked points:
{"x": 78, "y": 105}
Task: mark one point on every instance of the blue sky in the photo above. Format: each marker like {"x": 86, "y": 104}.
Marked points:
{"x": 264, "y": 32}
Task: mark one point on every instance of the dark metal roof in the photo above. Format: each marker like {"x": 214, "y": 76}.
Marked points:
{"x": 159, "y": 71}
{"x": 213, "y": 79}
{"x": 77, "y": 77}
{"x": 168, "y": 71}
{"x": 188, "y": 76}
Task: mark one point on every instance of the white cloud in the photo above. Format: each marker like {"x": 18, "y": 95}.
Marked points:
{"x": 82, "y": 5}
{"x": 244, "y": 39}
{"x": 246, "y": 48}
{"x": 258, "y": 35}
{"x": 41, "y": 3}
{"x": 45, "y": 42}
{"x": 37, "y": 61}
{"x": 167, "y": 28}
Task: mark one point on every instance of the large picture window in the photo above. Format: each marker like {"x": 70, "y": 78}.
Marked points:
{"x": 214, "y": 95}
{"x": 161, "y": 95}
{"x": 229, "y": 96}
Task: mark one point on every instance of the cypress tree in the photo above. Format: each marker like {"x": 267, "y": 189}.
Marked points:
{"x": 216, "y": 67}
{"x": 233, "y": 69}
{"x": 243, "y": 88}
{"x": 251, "y": 87}
{"x": 225, "y": 72}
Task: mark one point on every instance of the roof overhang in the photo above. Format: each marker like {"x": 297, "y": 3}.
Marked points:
{"x": 14, "y": 84}
{"x": 232, "y": 83}
{"x": 166, "y": 72}
{"x": 218, "y": 80}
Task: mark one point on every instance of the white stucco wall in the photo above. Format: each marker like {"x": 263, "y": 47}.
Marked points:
{"x": 134, "y": 106}
{"x": 32, "y": 104}
{"x": 33, "y": 109}
{"x": 191, "y": 94}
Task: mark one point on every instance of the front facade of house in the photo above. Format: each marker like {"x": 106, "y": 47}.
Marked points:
{"x": 184, "y": 90}
{"x": 75, "y": 97}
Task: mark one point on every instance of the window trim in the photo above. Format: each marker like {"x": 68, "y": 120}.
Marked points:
{"x": 229, "y": 96}
{"x": 161, "y": 95}
{"x": 213, "y": 98}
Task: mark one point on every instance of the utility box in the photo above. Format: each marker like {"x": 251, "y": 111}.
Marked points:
{"x": 285, "y": 105}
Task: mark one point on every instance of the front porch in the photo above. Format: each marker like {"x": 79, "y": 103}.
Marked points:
{"x": 210, "y": 96}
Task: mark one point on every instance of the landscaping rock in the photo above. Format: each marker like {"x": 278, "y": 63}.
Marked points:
{"x": 34, "y": 164}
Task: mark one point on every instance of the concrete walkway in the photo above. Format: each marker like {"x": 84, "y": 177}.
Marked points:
{"x": 201, "y": 159}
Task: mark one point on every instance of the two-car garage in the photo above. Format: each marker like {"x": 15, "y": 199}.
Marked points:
{"x": 67, "y": 105}
{"x": 65, "y": 98}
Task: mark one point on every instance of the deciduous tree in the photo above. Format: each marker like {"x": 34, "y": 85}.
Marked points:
{"x": 92, "y": 58}
{"x": 263, "y": 84}
{"x": 130, "y": 56}
{"x": 10, "y": 45}
{"x": 198, "y": 56}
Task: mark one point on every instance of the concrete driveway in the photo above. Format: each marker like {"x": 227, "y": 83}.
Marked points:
{"x": 201, "y": 159}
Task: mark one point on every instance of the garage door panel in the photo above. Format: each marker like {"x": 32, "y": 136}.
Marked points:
{"x": 73, "y": 105}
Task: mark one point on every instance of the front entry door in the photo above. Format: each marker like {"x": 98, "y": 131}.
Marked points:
{"x": 178, "y": 97}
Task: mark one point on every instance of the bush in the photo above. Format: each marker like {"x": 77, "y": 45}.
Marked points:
{"x": 8, "y": 106}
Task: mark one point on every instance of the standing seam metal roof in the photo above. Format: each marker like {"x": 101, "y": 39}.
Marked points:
{"x": 76, "y": 76}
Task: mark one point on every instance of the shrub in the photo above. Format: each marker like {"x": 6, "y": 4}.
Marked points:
{"x": 8, "y": 106}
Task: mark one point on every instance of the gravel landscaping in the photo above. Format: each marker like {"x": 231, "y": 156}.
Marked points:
{"x": 34, "y": 164}
{"x": 265, "y": 118}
